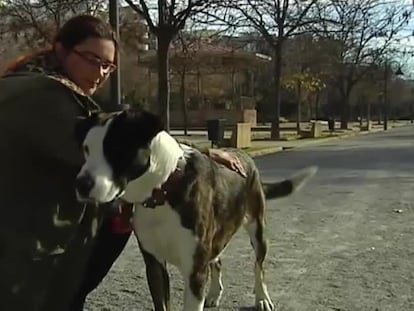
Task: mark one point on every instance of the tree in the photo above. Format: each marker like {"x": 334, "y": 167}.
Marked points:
{"x": 132, "y": 31}
{"x": 276, "y": 21}
{"x": 361, "y": 32}
{"x": 34, "y": 23}
{"x": 27, "y": 25}
{"x": 171, "y": 18}
{"x": 188, "y": 63}
{"x": 183, "y": 72}
{"x": 304, "y": 74}
{"x": 306, "y": 84}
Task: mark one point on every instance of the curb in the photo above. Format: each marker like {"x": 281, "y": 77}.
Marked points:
{"x": 265, "y": 151}
{"x": 272, "y": 150}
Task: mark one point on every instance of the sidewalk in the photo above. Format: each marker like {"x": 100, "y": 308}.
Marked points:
{"x": 262, "y": 146}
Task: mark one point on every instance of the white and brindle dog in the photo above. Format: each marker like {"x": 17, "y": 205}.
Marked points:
{"x": 187, "y": 206}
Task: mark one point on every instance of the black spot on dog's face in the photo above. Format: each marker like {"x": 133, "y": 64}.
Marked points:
{"x": 84, "y": 124}
{"x": 126, "y": 144}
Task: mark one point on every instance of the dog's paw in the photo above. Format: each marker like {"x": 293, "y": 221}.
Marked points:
{"x": 213, "y": 300}
{"x": 262, "y": 298}
{"x": 265, "y": 305}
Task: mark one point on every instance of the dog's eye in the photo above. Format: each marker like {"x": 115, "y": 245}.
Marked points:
{"x": 86, "y": 150}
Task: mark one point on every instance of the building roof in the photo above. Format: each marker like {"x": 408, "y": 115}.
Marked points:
{"x": 204, "y": 56}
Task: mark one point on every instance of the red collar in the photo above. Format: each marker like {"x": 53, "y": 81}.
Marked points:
{"x": 160, "y": 195}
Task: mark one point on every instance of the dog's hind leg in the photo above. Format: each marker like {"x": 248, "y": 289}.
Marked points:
{"x": 255, "y": 228}
{"x": 216, "y": 285}
{"x": 158, "y": 282}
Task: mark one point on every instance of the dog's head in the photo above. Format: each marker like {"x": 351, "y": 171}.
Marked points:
{"x": 116, "y": 150}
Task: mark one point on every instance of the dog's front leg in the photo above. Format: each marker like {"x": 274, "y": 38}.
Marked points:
{"x": 158, "y": 282}
{"x": 195, "y": 288}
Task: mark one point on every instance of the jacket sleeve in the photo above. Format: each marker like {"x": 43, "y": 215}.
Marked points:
{"x": 202, "y": 149}
{"x": 41, "y": 114}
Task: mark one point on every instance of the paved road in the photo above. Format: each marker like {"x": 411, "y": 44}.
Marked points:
{"x": 339, "y": 244}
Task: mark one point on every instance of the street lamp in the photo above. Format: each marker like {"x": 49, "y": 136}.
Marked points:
{"x": 399, "y": 72}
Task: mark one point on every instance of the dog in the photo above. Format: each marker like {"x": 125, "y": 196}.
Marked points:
{"x": 187, "y": 206}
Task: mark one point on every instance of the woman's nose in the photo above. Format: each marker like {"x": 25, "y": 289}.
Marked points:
{"x": 102, "y": 71}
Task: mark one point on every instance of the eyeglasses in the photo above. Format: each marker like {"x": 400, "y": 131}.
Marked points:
{"x": 95, "y": 60}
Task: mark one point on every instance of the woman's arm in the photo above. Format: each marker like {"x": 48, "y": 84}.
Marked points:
{"x": 220, "y": 156}
{"x": 202, "y": 149}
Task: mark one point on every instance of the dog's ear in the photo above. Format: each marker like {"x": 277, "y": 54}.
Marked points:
{"x": 155, "y": 120}
{"x": 144, "y": 122}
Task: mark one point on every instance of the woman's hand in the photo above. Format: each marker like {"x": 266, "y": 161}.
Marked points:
{"x": 228, "y": 159}
{"x": 122, "y": 219}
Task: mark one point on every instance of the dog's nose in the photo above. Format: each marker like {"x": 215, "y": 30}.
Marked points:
{"x": 84, "y": 185}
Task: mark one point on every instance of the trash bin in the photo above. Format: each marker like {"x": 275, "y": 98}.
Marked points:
{"x": 331, "y": 124}
{"x": 215, "y": 130}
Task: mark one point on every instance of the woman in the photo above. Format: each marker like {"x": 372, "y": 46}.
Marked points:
{"x": 54, "y": 250}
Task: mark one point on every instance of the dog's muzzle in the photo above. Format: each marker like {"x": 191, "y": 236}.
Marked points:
{"x": 84, "y": 185}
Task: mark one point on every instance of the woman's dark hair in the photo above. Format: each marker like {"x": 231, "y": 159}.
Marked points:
{"x": 83, "y": 27}
{"x": 73, "y": 32}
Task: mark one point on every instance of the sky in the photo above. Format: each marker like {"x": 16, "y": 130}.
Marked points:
{"x": 407, "y": 62}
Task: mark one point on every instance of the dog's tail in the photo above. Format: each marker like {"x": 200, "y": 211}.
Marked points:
{"x": 290, "y": 185}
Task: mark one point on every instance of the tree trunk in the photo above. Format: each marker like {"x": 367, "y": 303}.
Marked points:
{"x": 368, "y": 114}
{"x": 345, "y": 112}
{"x": 200, "y": 102}
{"x": 233, "y": 90}
{"x": 163, "y": 80}
{"x": 277, "y": 72}
{"x": 184, "y": 100}
{"x": 149, "y": 90}
{"x": 251, "y": 83}
{"x": 317, "y": 99}
{"x": 298, "y": 107}
{"x": 311, "y": 112}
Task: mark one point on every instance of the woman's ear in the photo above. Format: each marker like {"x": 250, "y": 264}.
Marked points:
{"x": 61, "y": 52}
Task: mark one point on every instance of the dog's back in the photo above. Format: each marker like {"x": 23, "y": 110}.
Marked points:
{"x": 213, "y": 201}
{"x": 218, "y": 200}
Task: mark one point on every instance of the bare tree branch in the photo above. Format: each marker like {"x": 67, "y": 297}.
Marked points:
{"x": 364, "y": 31}
{"x": 171, "y": 19}
{"x": 276, "y": 21}
{"x": 37, "y": 21}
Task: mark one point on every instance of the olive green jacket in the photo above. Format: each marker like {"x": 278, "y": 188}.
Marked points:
{"x": 45, "y": 234}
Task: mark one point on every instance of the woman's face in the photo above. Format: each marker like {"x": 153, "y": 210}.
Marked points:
{"x": 90, "y": 63}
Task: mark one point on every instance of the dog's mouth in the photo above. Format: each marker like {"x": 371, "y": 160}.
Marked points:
{"x": 87, "y": 199}
{"x": 82, "y": 199}
{"x": 120, "y": 193}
